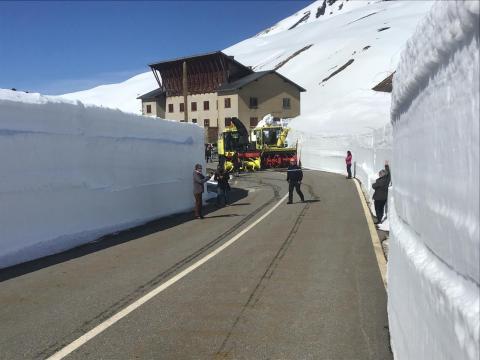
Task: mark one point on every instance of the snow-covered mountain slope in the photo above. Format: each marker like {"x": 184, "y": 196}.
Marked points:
{"x": 318, "y": 11}
{"x": 338, "y": 60}
{"x": 364, "y": 36}
{"x": 121, "y": 96}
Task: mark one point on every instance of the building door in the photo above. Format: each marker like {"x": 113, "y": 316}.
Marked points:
{"x": 211, "y": 134}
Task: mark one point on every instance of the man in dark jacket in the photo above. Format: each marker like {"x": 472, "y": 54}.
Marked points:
{"x": 208, "y": 153}
{"x": 380, "y": 195}
{"x": 294, "y": 178}
{"x": 198, "y": 180}
{"x": 222, "y": 177}
{"x": 236, "y": 164}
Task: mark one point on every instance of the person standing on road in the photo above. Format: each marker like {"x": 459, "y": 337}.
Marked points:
{"x": 236, "y": 164}
{"x": 208, "y": 153}
{"x": 294, "y": 178}
{"x": 380, "y": 195}
{"x": 214, "y": 153}
{"x": 222, "y": 177}
{"x": 198, "y": 187}
{"x": 348, "y": 161}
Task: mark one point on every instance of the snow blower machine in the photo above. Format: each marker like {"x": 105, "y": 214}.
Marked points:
{"x": 270, "y": 138}
{"x": 264, "y": 148}
{"x": 235, "y": 152}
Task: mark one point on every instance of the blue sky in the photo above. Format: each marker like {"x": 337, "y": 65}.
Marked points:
{"x": 59, "y": 47}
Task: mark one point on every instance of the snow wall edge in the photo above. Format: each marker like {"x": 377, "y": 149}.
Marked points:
{"x": 73, "y": 173}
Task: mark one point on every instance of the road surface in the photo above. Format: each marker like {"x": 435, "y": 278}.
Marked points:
{"x": 259, "y": 279}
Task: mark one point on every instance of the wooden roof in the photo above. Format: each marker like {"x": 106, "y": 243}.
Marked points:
{"x": 385, "y": 85}
{"x": 205, "y": 73}
{"x": 152, "y": 94}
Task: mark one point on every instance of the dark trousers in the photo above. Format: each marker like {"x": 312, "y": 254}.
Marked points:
{"x": 379, "y": 207}
{"x": 222, "y": 193}
{"x": 221, "y": 161}
{"x": 198, "y": 204}
{"x": 349, "y": 170}
{"x": 296, "y": 185}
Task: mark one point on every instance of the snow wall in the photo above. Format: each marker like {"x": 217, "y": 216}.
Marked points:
{"x": 72, "y": 173}
{"x": 363, "y": 117}
{"x": 433, "y": 268}
{"x": 327, "y": 152}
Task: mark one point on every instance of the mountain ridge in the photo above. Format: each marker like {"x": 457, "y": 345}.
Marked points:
{"x": 366, "y": 35}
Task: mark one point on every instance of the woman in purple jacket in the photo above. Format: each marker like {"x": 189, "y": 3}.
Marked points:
{"x": 348, "y": 161}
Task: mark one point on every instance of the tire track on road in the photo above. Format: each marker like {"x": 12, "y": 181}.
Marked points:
{"x": 312, "y": 193}
{"x": 257, "y": 292}
{"x": 139, "y": 291}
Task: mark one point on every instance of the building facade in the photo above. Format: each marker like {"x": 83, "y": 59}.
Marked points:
{"x": 216, "y": 88}
{"x": 153, "y": 103}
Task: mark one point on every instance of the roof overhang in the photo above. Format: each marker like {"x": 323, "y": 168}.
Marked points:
{"x": 236, "y": 85}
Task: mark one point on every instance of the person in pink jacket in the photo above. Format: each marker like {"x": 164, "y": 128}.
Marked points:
{"x": 348, "y": 161}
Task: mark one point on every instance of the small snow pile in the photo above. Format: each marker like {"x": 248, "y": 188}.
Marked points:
{"x": 31, "y": 98}
{"x": 72, "y": 173}
{"x": 269, "y": 119}
{"x": 433, "y": 272}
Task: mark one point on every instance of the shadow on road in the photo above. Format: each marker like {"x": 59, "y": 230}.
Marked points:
{"x": 121, "y": 237}
{"x": 243, "y": 204}
{"x": 221, "y": 216}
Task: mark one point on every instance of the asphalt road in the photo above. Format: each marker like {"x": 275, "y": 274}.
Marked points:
{"x": 303, "y": 283}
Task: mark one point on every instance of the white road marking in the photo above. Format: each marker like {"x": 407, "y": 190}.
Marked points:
{"x": 122, "y": 313}
{"x": 377, "y": 245}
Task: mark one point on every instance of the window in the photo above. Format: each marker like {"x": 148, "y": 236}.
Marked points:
{"x": 270, "y": 136}
{"x": 253, "y": 121}
{"x": 227, "y": 103}
{"x": 206, "y": 105}
{"x": 194, "y": 106}
{"x": 170, "y": 108}
{"x": 286, "y": 103}
{"x": 182, "y": 107}
{"x": 253, "y": 103}
{"x": 149, "y": 109}
{"x": 228, "y": 122}
{"x": 206, "y": 122}
{"x": 194, "y": 121}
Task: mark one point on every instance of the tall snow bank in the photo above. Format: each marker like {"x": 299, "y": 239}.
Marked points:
{"x": 433, "y": 269}
{"x": 341, "y": 112}
{"x": 71, "y": 173}
{"x": 356, "y": 123}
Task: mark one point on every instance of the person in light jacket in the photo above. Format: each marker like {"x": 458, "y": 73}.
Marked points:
{"x": 348, "y": 161}
{"x": 198, "y": 186}
{"x": 380, "y": 195}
